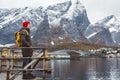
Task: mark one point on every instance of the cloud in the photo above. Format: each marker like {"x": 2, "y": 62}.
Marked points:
{"x": 11, "y": 3}
{"x": 29, "y": 3}
{"x": 98, "y": 9}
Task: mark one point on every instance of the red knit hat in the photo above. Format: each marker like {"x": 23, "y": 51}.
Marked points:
{"x": 25, "y": 23}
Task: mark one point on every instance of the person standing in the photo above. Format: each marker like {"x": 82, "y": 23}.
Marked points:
{"x": 26, "y": 52}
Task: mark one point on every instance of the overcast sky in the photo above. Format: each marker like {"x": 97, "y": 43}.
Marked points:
{"x": 96, "y": 9}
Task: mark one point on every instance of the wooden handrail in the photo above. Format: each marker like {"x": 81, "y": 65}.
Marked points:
{"x": 24, "y": 47}
{"x": 35, "y": 60}
{"x": 37, "y": 69}
{"x": 21, "y": 58}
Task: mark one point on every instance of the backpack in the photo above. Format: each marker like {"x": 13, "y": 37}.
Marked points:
{"x": 17, "y": 38}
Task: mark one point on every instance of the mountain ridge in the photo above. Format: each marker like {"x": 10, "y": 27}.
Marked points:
{"x": 14, "y": 17}
{"x": 59, "y": 23}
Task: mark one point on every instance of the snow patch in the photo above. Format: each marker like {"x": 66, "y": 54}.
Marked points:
{"x": 92, "y": 35}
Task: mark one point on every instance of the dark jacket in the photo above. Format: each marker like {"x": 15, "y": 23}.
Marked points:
{"x": 26, "y": 42}
{"x": 25, "y": 37}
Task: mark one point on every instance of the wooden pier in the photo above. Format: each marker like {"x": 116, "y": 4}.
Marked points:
{"x": 9, "y": 55}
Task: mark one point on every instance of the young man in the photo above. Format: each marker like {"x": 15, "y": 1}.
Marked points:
{"x": 26, "y": 52}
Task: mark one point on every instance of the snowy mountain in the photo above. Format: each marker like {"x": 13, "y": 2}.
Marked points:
{"x": 105, "y": 31}
{"x": 10, "y": 21}
{"x": 61, "y": 22}
{"x": 64, "y": 24}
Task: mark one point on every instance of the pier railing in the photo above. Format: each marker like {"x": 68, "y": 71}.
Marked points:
{"x": 7, "y": 54}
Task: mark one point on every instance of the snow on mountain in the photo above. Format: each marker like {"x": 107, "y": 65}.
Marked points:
{"x": 112, "y": 26}
{"x": 56, "y": 11}
{"x": 62, "y": 22}
{"x": 67, "y": 20}
{"x": 93, "y": 34}
{"x": 11, "y": 19}
{"x": 111, "y": 22}
{"x": 15, "y": 14}
{"x": 75, "y": 9}
{"x": 7, "y": 45}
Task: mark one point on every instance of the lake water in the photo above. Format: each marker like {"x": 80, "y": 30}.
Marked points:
{"x": 83, "y": 69}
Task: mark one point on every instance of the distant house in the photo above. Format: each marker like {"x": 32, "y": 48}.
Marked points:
{"x": 111, "y": 55}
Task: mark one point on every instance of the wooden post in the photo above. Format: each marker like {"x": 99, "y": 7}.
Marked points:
{"x": 0, "y": 60}
{"x": 32, "y": 62}
{"x": 11, "y": 63}
{"x": 8, "y": 72}
{"x": 44, "y": 64}
{"x": 8, "y": 66}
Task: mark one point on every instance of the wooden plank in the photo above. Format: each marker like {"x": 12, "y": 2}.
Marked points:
{"x": 33, "y": 61}
{"x": 38, "y": 69}
{"x": 7, "y": 58}
{"x": 0, "y": 60}
{"x": 8, "y": 72}
{"x": 37, "y": 79}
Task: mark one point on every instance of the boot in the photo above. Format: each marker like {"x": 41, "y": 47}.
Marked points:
{"x": 48, "y": 71}
{"x": 28, "y": 76}
{"x": 31, "y": 75}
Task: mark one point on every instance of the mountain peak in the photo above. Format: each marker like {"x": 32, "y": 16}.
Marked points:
{"x": 57, "y": 23}
{"x": 75, "y": 1}
{"x": 75, "y": 9}
{"x": 109, "y": 20}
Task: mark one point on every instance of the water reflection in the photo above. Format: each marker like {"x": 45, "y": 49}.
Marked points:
{"x": 85, "y": 69}
{"x": 103, "y": 69}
